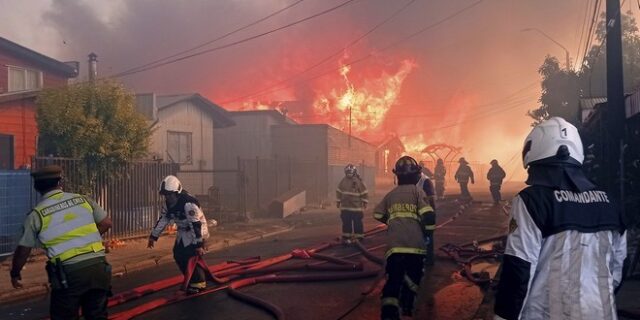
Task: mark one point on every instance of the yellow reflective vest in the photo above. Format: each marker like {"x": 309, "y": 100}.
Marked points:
{"x": 68, "y": 228}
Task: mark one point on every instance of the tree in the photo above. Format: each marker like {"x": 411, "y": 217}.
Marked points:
{"x": 562, "y": 89}
{"x": 96, "y": 122}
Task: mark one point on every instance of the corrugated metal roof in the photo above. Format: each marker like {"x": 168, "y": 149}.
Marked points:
{"x": 38, "y": 58}
{"x": 221, "y": 117}
{"x": 590, "y": 103}
{"x": 281, "y": 118}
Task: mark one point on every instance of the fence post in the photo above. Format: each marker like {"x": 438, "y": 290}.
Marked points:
{"x": 290, "y": 179}
{"x": 257, "y": 184}
{"x": 276, "y": 175}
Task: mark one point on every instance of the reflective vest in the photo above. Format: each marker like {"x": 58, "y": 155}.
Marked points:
{"x": 68, "y": 228}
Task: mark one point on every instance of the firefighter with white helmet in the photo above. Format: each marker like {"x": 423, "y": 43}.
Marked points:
{"x": 567, "y": 239}
{"x": 352, "y": 199}
{"x": 184, "y": 210}
{"x": 411, "y": 221}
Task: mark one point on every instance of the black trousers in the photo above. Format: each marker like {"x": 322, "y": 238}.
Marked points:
{"x": 464, "y": 189}
{"x": 352, "y": 224}
{"x": 404, "y": 272}
{"x": 181, "y": 255}
{"x": 495, "y": 193}
{"x": 439, "y": 188}
{"x": 88, "y": 289}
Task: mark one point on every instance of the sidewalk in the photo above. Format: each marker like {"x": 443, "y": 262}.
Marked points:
{"x": 134, "y": 255}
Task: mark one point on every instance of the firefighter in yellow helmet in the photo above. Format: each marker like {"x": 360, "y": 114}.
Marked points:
{"x": 184, "y": 210}
{"x": 410, "y": 222}
{"x": 352, "y": 199}
{"x": 69, "y": 227}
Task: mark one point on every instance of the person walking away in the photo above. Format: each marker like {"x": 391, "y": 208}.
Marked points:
{"x": 352, "y": 199}
{"x": 408, "y": 217}
{"x": 567, "y": 239}
{"x": 495, "y": 176}
{"x": 439, "y": 174}
{"x": 69, "y": 228}
{"x": 464, "y": 174}
{"x": 184, "y": 210}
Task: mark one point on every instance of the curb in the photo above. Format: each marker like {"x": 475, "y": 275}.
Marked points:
{"x": 40, "y": 289}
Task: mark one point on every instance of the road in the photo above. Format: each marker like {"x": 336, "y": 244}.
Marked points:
{"x": 318, "y": 300}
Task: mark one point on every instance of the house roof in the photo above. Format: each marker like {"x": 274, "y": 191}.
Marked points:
{"x": 390, "y": 140}
{"x": 221, "y": 117}
{"x": 275, "y": 114}
{"x": 38, "y": 58}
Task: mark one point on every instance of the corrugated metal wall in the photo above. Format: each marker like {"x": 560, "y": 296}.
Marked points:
{"x": 16, "y": 200}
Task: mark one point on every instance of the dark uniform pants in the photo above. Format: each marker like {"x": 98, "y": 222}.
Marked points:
{"x": 88, "y": 289}
{"x": 439, "y": 188}
{"x": 181, "y": 255}
{"x": 495, "y": 193}
{"x": 352, "y": 224}
{"x": 404, "y": 272}
{"x": 464, "y": 189}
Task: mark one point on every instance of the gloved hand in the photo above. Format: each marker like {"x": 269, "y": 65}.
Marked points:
{"x": 337, "y": 204}
{"x": 427, "y": 240}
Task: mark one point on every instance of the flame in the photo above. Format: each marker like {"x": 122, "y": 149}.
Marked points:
{"x": 414, "y": 144}
{"x": 365, "y": 105}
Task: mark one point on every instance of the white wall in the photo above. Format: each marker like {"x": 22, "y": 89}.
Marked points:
{"x": 187, "y": 117}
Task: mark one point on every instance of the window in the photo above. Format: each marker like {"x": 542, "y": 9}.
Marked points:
{"x": 179, "y": 147}
{"x": 21, "y": 79}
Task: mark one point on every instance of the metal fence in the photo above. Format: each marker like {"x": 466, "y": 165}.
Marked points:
{"x": 16, "y": 200}
{"x": 221, "y": 193}
{"x": 128, "y": 192}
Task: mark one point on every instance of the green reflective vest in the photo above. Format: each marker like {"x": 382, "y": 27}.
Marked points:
{"x": 68, "y": 228}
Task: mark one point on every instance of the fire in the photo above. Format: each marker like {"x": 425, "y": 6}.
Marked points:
{"x": 362, "y": 107}
{"x": 414, "y": 144}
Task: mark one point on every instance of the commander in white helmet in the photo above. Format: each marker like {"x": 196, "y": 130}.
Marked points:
{"x": 567, "y": 240}
{"x": 184, "y": 210}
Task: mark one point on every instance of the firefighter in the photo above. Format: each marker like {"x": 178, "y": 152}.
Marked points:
{"x": 426, "y": 185}
{"x": 410, "y": 222}
{"x": 463, "y": 176}
{"x": 352, "y": 200}
{"x": 439, "y": 175}
{"x": 567, "y": 240}
{"x": 495, "y": 175}
{"x": 184, "y": 210}
{"x": 69, "y": 227}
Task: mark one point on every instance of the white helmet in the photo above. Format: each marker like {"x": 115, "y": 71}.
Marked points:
{"x": 549, "y": 136}
{"x": 170, "y": 184}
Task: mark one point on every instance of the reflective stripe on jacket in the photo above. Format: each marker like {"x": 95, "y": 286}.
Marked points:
{"x": 352, "y": 194}
{"x": 68, "y": 227}
{"x": 408, "y": 217}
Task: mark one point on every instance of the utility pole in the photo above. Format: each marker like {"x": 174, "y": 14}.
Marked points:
{"x": 615, "y": 112}
{"x": 350, "y": 127}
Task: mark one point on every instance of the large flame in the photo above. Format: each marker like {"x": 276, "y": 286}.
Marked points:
{"x": 414, "y": 144}
{"x": 362, "y": 108}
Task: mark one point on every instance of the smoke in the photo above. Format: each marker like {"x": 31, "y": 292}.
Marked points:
{"x": 464, "y": 64}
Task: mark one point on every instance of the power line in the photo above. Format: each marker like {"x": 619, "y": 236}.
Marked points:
{"x": 215, "y": 39}
{"x": 361, "y": 59}
{"x": 332, "y": 55}
{"x": 592, "y": 29}
{"x": 123, "y": 74}
{"x": 583, "y": 29}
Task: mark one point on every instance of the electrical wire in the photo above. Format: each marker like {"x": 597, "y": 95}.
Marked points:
{"x": 215, "y": 39}
{"x": 272, "y": 89}
{"x": 234, "y": 43}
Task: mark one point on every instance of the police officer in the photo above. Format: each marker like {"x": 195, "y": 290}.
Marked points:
{"x": 567, "y": 241}
{"x": 439, "y": 175}
{"x": 495, "y": 175}
{"x": 184, "y": 210}
{"x": 463, "y": 175}
{"x": 352, "y": 199}
{"x": 68, "y": 227}
{"x": 410, "y": 222}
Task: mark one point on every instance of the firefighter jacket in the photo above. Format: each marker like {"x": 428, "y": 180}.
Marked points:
{"x": 464, "y": 173}
{"x": 426, "y": 185}
{"x": 68, "y": 228}
{"x": 439, "y": 173}
{"x": 495, "y": 175}
{"x": 408, "y": 218}
{"x": 563, "y": 258}
{"x": 189, "y": 219}
{"x": 352, "y": 194}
